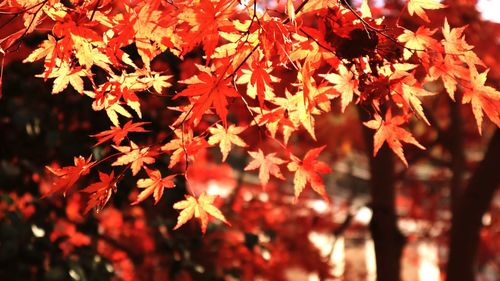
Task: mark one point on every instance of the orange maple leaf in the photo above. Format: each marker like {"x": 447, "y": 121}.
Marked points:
{"x": 155, "y": 185}
{"x": 118, "y": 134}
{"x": 418, "y": 6}
{"x": 203, "y": 21}
{"x": 267, "y": 164}
{"x": 407, "y": 92}
{"x": 198, "y": 208}
{"x": 454, "y": 43}
{"x": 211, "y": 91}
{"x": 389, "y": 131}
{"x": 450, "y": 70}
{"x": 309, "y": 170}
{"x": 101, "y": 191}
{"x": 482, "y": 98}
{"x": 135, "y": 156}
{"x": 69, "y": 175}
{"x": 225, "y": 137}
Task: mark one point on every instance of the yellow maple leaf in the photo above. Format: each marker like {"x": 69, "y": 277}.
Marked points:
{"x": 344, "y": 83}
{"x": 298, "y": 113}
{"x": 225, "y": 137}
{"x": 199, "y": 208}
{"x": 418, "y": 41}
{"x": 66, "y": 75}
{"x": 150, "y": 26}
{"x": 418, "y": 6}
{"x": 135, "y": 156}
{"x": 45, "y": 49}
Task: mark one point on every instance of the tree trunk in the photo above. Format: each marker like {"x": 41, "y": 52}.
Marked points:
{"x": 455, "y": 142}
{"x": 386, "y": 236}
{"x": 473, "y": 204}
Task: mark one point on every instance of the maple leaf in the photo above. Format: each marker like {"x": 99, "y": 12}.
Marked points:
{"x": 418, "y": 6}
{"x": 135, "y": 156}
{"x": 45, "y": 49}
{"x": 482, "y": 98}
{"x": 308, "y": 86}
{"x": 118, "y": 134}
{"x": 272, "y": 119}
{"x": 157, "y": 81}
{"x": 389, "y": 131}
{"x": 450, "y": 70}
{"x": 183, "y": 144}
{"x": 101, "y": 191}
{"x": 267, "y": 164}
{"x": 258, "y": 80}
{"x": 203, "y": 21}
{"x": 298, "y": 113}
{"x": 345, "y": 84}
{"x": 454, "y": 40}
{"x": 69, "y": 175}
{"x": 309, "y": 50}
{"x": 418, "y": 41}
{"x": 225, "y": 137}
{"x": 454, "y": 43}
{"x": 275, "y": 38}
{"x": 150, "y": 27}
{"x": 111, "y": 105}
{"x": 309, "y": 170}
{"x": 198, "y": 208}
{"x": 88, "y": 55}
{"x": 155, "y": 185}
{"x": 66, "y": 75}
{"x": 113, "y": 110}
{"x": 210, "y": 90}
{"x": 185, "y": 114}
{"x": 407, "y": 91}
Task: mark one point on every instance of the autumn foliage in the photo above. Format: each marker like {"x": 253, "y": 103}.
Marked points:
{"x": 244, "y": 81}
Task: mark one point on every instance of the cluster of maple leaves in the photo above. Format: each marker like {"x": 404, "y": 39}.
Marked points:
{"x": 322, "y": 50}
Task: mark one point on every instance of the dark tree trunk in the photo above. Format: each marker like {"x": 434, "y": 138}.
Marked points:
{"x": 386, "y": 236}
{"x": 467, "y": 219}
{"x": 455, "y": 143}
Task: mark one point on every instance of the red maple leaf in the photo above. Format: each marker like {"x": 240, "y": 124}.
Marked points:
{"x": 118, "y": 134}
{"x": 69, "y": 175}
{"x": 101, "y": 191}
